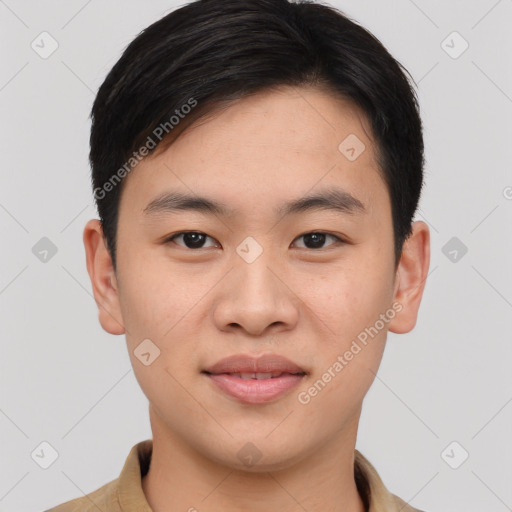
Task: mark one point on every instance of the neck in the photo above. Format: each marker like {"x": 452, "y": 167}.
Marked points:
{"x": 180, "y": 478}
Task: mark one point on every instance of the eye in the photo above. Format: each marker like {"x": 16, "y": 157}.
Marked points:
{"x": 191, "y": 239}
{"x": 196, "y": 239}
{"x": 316, "y": 240}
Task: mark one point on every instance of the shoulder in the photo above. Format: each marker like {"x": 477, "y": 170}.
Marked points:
{"x": 104, "y": 499}
{"x": 403, "y": 506}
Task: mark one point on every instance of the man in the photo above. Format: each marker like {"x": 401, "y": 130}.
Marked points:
{"x": 256, "y": 166}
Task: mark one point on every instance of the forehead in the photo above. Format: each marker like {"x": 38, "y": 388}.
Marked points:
{"x": 287, "y": 140}
{"x": 306, "y": 119}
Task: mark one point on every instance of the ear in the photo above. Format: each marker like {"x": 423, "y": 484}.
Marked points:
{"x": 411, "y": 277}
{"x": 103, "y": 278}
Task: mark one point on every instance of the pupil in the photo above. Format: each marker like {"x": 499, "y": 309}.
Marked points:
{"x": 317, "y": 238}
{"x": 194, "y": 239}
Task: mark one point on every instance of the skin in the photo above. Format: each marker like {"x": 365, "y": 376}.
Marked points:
{"x": 306, "y": 303}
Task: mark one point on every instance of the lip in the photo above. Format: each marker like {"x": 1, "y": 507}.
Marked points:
{"x": 252, "y": 390}
{"x": 266, "y": 363}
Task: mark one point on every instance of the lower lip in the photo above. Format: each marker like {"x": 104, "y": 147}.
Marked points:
{"x": 255, "y": 391}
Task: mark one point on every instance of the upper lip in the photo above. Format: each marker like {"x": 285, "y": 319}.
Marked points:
{"x": 267, "y": 363}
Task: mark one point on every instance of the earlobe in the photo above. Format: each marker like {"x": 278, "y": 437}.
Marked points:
{"x": 103, "y": 278}
{"x": 411, "y": 278}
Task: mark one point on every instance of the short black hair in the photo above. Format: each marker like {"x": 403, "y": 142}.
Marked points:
{"x": 201, "y": 56}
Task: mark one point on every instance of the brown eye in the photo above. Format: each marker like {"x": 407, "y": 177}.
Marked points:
{"x": 191, "y": 239}
{"x": 316, "y": 240}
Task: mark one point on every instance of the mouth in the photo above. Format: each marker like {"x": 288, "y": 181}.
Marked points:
{"x": 256, "y": 375}
{"x": 254, "y": 380}
{"x": 251, "y": 367}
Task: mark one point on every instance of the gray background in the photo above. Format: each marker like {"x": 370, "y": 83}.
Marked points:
{"x": 67, "y": 382}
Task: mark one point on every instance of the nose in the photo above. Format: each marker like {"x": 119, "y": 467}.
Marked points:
{"x": 255, "y": 298}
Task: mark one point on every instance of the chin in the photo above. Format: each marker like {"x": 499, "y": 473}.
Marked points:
{"x": 260, "y": 456}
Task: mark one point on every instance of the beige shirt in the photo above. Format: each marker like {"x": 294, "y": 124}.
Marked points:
{"x": 125, "y": 494}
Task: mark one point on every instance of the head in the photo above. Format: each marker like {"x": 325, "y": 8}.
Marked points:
{"x": 288, "y": 140}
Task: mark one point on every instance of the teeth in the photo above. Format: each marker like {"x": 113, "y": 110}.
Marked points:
{"x": 258, "y": 375}
{"x": 267, "y": 375}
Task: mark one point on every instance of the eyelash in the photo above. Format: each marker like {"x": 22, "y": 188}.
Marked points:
{"x": 176, "y": 235}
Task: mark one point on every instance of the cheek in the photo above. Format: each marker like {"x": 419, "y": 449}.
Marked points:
{"x": 161, "y": 311}
{"x": 145, "y": 307}
{"x": 164, "y": 305}
{"x": 153, "y": 296}
{"x": 346, "y": 301}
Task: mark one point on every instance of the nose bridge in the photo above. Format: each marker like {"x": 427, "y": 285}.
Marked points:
{"x": 253, "y": 275}
{"x": 253, "y": 296}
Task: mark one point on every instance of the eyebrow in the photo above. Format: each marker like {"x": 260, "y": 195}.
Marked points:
{"x": 331, "y": 199}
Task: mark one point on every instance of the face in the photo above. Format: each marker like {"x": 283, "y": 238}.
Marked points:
{"x": 261, "y": 269}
